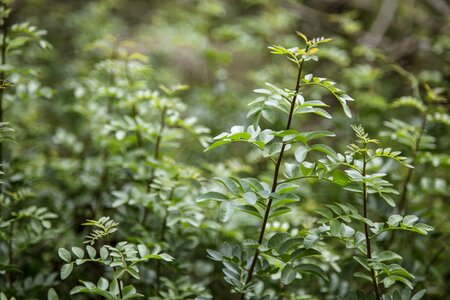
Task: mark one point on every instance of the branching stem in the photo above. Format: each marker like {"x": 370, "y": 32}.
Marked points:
{"x": 11, "y": 253}
{"x": 366, "y": 227}
{"x": 119, "y": 283}
{"x": 156, "y": 154}
{"x": 162, "y": 238}
{"x": 402, "y": 204}
{"x": 4, "y": 30}
{"x": 251, "y": 269}
{"x": 134, "y": 113}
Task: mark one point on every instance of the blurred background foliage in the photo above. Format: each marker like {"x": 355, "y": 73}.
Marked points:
{"x": 65, "y": 161}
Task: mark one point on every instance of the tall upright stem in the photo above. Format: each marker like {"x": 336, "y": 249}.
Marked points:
{"x": 4, "y": 29}
{"x": 402, "y": 204}
{"x": 119, "y": 283}
{"x": 11, "y": 253}
{"x": 366, "y": 228}
{"x": 251, "y": 269}
{"x": 162, "y": 238}
{"x": 156, "y": 154}
{"x": 134, "y": 112}
{"x": 162, "y": 126}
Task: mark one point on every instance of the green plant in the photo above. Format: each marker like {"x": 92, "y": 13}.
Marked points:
{"x": 127, "y": 149}
{"x": 282, "y": 253}
{"x": 361, "y": 177}
{"x": 121, "y": 260}
{"x": 24, "y": 221}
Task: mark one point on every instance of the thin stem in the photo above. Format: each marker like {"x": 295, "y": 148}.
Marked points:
{"x": 404, "y": 195}
{"x": 139, "y": 139}
{"x": 304, "y": 177}
{"x": 162, "y": 238}
{"x": 156, "y": 155}
{"x": 105, "y": 172}
{"x": 5, "y": 25}
{"x": 104, "y": 177}
{"x": 4, "y": 29}
{"x": 134, "y": 113}
{"x": 366, "y": 227}
{"x": 119, "y": 284}
{"x": 274, "y": 182}
{"x": 282, "y": 295}
{"x": 11, "y": 253}
{"x": 162, "y": 125}
{"x": 394, "y": 229}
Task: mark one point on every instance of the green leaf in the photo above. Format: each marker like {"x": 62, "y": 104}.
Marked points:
{"x": 341, "y": 178}
{"x": 215, "y": 196}
{"x": 346, "y": 231}
{"x": 290, "y": 170}
{"x": 263, "y": 91}
{"x": 79, "y": 289}
{"x": 64, "y": 255}
{"x": 285, "y": 188}
{"x": 250, "y": 210}
{"x": 422, "y": 228}
{"x": 326, "y": 213}
{"x": 300, "y": 153}
{"x": 78, "y": 252}
{"x": 394, "y": 220}
{"x": 142, "y": 249}
{"x": 226, "y": 210}
{"x": 52, "y": 295}
{"x": 325, "y": 149}
{"x": 409, "y": 220}
{"x": 390, "y": 280}
{"x": 217, "y": 144}
{"x": 91, "y": 251}
{"x": 129, "y": 292}
{"x": 395, "y": 269}
{"x": 335, "y": 228}
{"x": 288, "y": 274}
{"x": 104, "y": 253}
{"x": 301, "y": 253}
{"x": 311, "y": 135}
{"x": 133, "y": 273}
{"x": 214, "y": 255}
{"x": 310, "y": 240}
{"x": 280, "y": 211}
{"x": 289, "y": 244}
{"x": 363, "y": 275}
{"x": 419, "y": 295}
{"x": 103, "y": 284}
{"x": 230, "y": 184}
{"x": 66, "y": 270}
{"x": 313, "y": 269}
{"x": 250, "y": 243}
{"x": 250, "y": 197}
{"x": 277, "y": 239}
{"x": 388, "y": 256}
{"x": 362, "y": 261}
{"x": 166, "y": 257}
{"x": 388, "y": 199}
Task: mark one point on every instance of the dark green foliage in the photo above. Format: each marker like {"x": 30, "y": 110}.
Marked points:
{"x": 112, "y": 188}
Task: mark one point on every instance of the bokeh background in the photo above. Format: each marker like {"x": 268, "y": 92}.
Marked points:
{"x": 381, "y": 50}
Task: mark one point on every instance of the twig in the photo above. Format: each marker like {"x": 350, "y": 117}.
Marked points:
{"x": 381, "y": 24}
{"x": 274, "y": 181}
{"x": 366, "y": 227}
